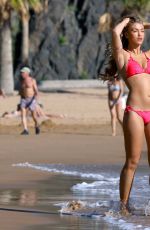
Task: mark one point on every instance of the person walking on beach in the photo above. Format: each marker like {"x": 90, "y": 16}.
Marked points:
{"x": 134, "y": 65}
{"x": 115, "y": 92}
{"x": 29, "y": 94}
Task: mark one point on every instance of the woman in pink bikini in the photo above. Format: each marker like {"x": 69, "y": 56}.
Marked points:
{"x": 134, "y": 65}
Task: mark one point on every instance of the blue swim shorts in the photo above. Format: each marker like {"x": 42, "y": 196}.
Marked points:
{"x": 28, "y": 103}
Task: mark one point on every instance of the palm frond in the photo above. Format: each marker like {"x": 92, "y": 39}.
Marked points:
{"x": 24, "y": 5}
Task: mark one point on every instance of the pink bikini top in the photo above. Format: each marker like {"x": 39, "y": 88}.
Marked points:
{"x": 134, "y": 68}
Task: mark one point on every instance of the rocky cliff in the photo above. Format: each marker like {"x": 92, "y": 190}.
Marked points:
{"x": 67, "y": 40}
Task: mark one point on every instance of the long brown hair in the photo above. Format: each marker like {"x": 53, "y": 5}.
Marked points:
{"x": 111, "y": 69}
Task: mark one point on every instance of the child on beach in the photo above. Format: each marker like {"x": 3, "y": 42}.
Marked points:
{"x": 134, "y": 66}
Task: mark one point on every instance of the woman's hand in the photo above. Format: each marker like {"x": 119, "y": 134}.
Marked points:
{"x": 126, "y": 21}
{"x": 120, "y": 26}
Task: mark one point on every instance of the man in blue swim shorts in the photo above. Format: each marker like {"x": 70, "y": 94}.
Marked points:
{"x": 29, "y": 94}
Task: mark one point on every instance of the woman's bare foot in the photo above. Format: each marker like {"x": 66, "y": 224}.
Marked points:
{"x": 113, "y": 134}
{"x": 124, "y": 210}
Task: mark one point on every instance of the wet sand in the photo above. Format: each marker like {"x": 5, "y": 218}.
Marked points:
{"x": 81, "y": 136}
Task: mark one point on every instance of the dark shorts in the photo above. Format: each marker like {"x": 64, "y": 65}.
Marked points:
{"x": 28, "y": 103}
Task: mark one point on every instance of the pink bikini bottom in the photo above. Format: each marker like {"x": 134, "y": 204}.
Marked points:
{"x": 145, "y": 115}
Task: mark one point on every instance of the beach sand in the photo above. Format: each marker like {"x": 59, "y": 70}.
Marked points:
{"x": 78, "y": 133}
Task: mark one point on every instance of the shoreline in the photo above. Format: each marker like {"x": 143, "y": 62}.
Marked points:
{"x": 49, "y": 148}
{"x": 55, "y": 148}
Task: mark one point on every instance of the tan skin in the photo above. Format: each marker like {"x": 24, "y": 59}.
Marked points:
{"x": 114, "y": 103}
{"x": 28, "y": 89}
{"x": 139, "y": 98}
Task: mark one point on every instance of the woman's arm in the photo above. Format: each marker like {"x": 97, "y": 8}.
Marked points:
{"x": 117, "y": 43}
{"x": 116, "y": 33}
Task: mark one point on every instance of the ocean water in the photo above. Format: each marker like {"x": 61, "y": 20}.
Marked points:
{"x": 95, "y": 186}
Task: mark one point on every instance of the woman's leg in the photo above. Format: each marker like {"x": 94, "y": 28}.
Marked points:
{"x": 147, "y": 136}
{"x": 119, "y": 113}
{"x": 113, "y": 118}
{"x": 133, "y": 128}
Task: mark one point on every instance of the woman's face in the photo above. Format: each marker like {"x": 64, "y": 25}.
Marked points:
{"x": 135, "y": 33}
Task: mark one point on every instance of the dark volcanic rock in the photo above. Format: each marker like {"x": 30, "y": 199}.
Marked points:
{"x": 65, "y": 42}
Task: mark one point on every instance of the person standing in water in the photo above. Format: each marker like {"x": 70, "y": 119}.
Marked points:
{"x": 134, "y": 66}
{"x": 115, "y": 92}
{"x": 29, "y": 94}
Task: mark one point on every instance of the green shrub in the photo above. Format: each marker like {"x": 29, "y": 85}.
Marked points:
{"x": 62, "y": 40}
{"x": 84, "y": 75}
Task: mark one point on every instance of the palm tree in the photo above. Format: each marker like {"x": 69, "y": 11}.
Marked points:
{"x": 6, "y": 70}
{"x": 6, "y": 7}
{"x": 23, "y": 8}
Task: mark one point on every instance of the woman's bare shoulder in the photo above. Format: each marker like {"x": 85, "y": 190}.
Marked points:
{"x": 147, "y": 53}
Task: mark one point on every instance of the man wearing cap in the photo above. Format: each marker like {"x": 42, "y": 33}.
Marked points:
{"x": 29, "y": 94}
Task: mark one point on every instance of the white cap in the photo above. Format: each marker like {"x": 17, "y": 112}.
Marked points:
{"x": 25, "y": 70}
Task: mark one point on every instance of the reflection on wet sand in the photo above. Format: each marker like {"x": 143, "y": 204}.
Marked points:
{"x": 28, "y": 198}
{"x": 25, "y": 197}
